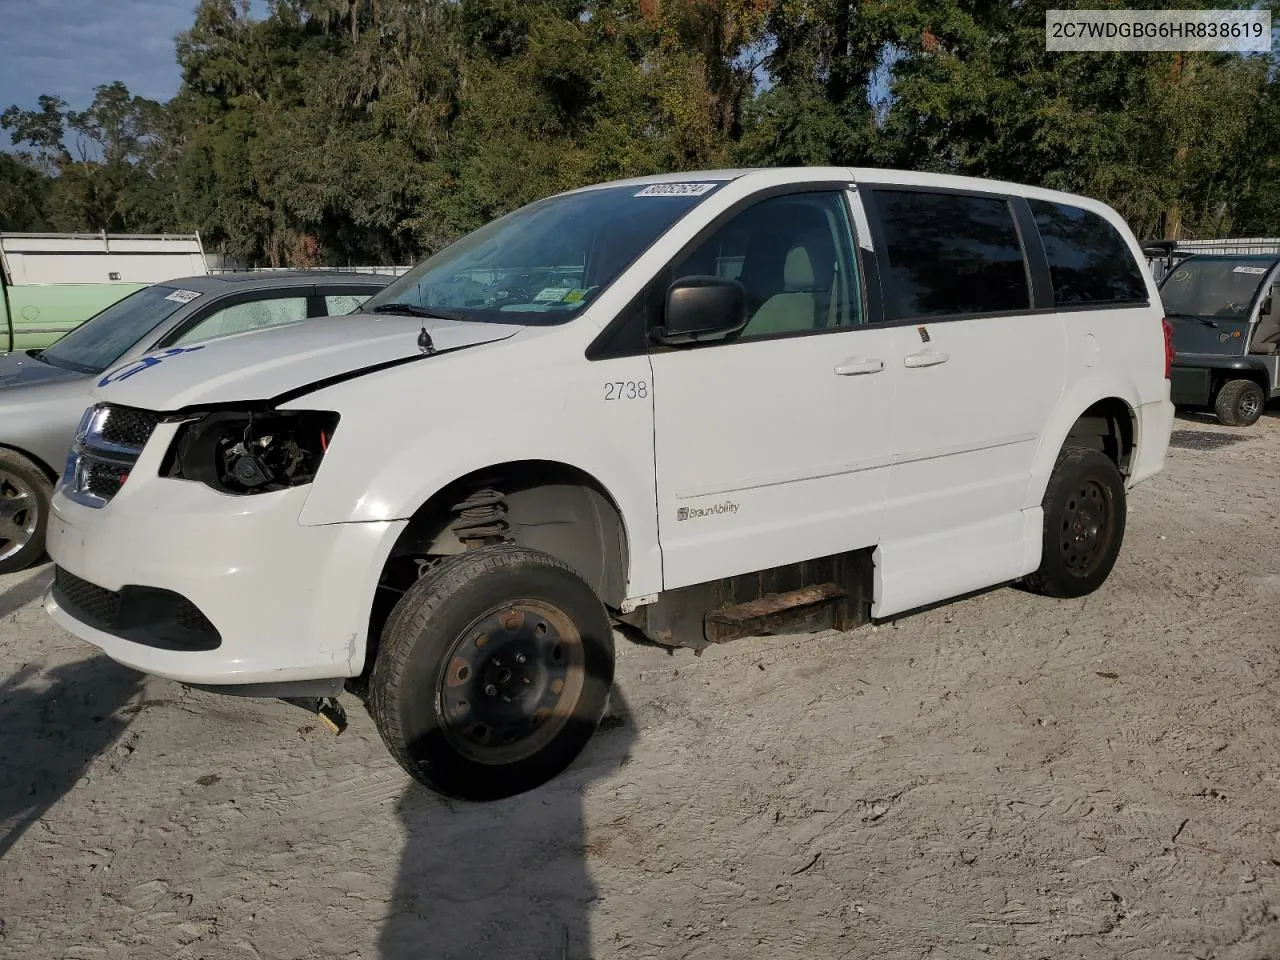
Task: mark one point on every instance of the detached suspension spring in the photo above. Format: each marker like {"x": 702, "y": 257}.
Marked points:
{"x": 481, "y": 518}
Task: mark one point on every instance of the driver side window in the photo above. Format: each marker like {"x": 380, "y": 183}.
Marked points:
{"x": 794, "y": 256}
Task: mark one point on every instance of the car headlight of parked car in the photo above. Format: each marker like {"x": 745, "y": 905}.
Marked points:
{"x": 244, "y": 452}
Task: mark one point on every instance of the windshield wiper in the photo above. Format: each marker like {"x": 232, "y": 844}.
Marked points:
{"x": 413, "y": 310}
{"x": 1191, "y": 316}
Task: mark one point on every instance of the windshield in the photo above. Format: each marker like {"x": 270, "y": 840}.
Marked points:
{"x": 1218, "y": 287}
{"x": 102, "y": 339}
{"x": 545, "y": 262}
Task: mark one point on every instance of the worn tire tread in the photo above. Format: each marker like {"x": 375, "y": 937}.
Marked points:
{"x": 1227, "y": 402}
{"x": 410, "y": 617}
{"x": 1070, "y": 457}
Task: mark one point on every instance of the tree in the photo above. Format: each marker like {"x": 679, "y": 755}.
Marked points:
{"x": 24, "y": 194}
{"x": 102, "y": 179}
{"x": 824, "y": 57}
{"x": 379, "y": 130}
{"x": 1152, "y": 134}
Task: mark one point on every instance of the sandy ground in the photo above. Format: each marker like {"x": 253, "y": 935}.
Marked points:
{"x": 1004, "y": 776}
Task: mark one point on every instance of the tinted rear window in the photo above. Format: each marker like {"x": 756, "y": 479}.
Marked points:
{"x": 1089, "y": 262}
{"x": 950, "y": 254}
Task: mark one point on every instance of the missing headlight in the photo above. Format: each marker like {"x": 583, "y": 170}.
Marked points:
{"x": 246, "y": 452}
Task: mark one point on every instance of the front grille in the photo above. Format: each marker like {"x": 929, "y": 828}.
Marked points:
{"x": 147, "y": 615}
{"x": 128, "y": 426}
{"x": 104, "y": 480}
{"x": 107, "y": 446}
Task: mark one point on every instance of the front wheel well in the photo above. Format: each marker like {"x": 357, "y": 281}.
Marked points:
{"x": 1108, "y": 426}
{"x": 543, "y": 505}
{"x": 48, "y": 471}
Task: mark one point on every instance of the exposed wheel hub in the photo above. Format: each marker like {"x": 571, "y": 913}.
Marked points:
{"x": 19, "y": 514}
{"x": 511, "y": 682}
{"x": 1085, "y": 528}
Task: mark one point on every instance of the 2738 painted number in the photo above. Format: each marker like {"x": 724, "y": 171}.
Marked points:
{"x": 626, "y": 390}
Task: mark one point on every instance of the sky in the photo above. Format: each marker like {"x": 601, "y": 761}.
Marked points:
{"x": 68, "y": 47}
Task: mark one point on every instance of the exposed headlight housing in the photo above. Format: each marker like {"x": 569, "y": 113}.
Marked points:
{"x": 245, "y": 452}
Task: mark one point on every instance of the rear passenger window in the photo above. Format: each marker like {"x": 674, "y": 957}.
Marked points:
{"x": 241, "y": 317}
{"x": 1089, "y": 262}
{"x": 950, "y": 254}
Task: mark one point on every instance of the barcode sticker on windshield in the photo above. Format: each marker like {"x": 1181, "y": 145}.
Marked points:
{"x": 676, "y": 189}
{"x": 1255, "y": 271}
{"x": 183, "y": 296}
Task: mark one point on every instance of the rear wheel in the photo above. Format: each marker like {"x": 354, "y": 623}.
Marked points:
{"x": 1239, "y": 403}
{"x": 25, "y": 492}
{"x": 1084, "y": 517}
{"x": 493, "y": 672}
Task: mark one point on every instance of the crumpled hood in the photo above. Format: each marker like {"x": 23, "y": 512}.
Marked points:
{"x": 20, "y": 369}
{"x": 264, "y": 364}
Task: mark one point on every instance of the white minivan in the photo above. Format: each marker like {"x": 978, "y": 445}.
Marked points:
{"x": 705, "y": 405}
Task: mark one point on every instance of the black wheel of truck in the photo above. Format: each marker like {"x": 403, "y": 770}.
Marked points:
{"x": 1084, "y": 517}
{"x": 1239, "y": 403}
{"x": 25, "y": 492}
{"x": 492, "y": 674}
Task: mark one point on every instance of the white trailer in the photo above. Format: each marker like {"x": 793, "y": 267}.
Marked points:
{"x": 50, "y": 283}
{"x": 40, "y": 258}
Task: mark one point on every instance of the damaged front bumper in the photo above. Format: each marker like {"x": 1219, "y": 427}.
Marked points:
{"x": 175, "y": 579}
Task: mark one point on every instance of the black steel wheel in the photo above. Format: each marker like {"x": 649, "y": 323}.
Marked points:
{"x": 511, "y": 682}
{"x": 1084, "y": 518}
{"x": 492, "y": 674}
{"x": 1083, "y": 535}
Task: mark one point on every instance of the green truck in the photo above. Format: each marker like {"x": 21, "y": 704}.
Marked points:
{"x": 51, "y": 283}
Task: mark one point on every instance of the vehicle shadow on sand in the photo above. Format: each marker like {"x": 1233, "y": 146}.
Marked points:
{"x": 507, "y": 879}
{"x": 24, "y": 590}
{"x": 52, "y": 726}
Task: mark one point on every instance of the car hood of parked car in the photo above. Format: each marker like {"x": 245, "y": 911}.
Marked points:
{"x": 277, "y": 363}
{"x": 21, "y": 369}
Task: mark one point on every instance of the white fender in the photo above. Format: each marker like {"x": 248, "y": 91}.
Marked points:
{"x": 1079, "y": 397}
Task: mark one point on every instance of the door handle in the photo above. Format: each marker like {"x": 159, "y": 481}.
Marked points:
{"x": 856, "y": 365}
{"x": 926, "y": 358}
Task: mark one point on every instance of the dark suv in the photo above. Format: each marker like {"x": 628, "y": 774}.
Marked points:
{"x": 1225, "y": 314}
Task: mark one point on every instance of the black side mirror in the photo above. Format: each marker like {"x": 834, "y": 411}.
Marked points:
{"x": 1268, "y": 306}
{"x": 699, "y": 308}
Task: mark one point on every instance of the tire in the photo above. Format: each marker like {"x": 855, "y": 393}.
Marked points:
{"x": 467, "y": 717}
{"x": 1084, "y": 517}
{"x": 1239, "y": 403}
{"x": 25, "y": 492}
